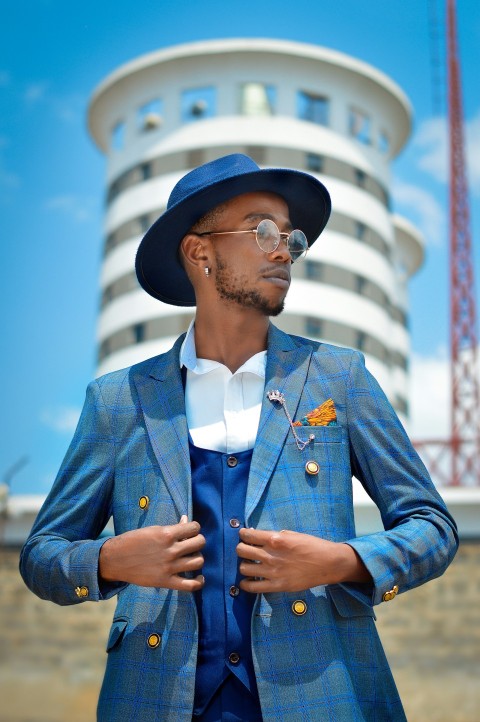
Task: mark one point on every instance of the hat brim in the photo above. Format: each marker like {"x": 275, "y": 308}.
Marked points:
{"x": 157, "y": 264}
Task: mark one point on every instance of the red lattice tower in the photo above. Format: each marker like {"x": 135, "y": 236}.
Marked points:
{"x": 463, "y": 447}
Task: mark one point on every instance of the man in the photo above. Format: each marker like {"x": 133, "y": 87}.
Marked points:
{"x": 226, "y": 464}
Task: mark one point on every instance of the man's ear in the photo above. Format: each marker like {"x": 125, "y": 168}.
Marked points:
{"x": 193, "y": 252}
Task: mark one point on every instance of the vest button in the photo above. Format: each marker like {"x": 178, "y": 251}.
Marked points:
{"x": 234, "y": 658}
{"x": 232, "y": 461}
{"x": 234, "y": 523}
{"x": 143, "y": 502}
{"x": 153, "y": 640}
{"x": 299, "y": 607}
{"x": 234, "y": 591}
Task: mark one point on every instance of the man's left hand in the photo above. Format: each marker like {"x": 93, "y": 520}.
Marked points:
{"x": 288, "y": 561}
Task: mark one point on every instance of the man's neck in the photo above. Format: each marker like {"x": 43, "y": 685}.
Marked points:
{"x": 230, "y": 339}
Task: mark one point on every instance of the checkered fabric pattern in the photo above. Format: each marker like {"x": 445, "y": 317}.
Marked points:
{"x": 132, "y": 441}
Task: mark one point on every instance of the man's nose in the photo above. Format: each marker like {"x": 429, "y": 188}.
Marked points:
{"x": 281, "y": 253}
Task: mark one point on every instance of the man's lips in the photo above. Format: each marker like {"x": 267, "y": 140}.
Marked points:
{"x": 277, "y": 274}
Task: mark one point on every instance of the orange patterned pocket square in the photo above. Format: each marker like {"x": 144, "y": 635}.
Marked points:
{"x": 323, "y": 415}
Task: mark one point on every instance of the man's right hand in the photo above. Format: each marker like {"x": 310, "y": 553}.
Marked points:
{"x": 155, "y": 556}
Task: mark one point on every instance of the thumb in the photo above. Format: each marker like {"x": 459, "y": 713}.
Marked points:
{"x": 184, "y": 519}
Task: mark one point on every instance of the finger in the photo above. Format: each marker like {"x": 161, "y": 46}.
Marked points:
{"x": 258, "y": 586}
{"x": 246, "y": 551}
{"x": 258, "y": 537}
{"x": 188, "y": 564}
{"x": 185, "y": 530}
{"x": 251, "y": 570}
{"x": 184, "y": 519}
{"x": 185, "y": 547}
{"x": 187, "y": 585}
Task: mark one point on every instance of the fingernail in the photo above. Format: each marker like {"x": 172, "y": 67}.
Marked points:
{"x": 184, "y": 519}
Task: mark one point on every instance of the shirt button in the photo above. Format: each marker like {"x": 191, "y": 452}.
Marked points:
{"x": 232, "y": 461}
{"x": 234, "y": 591}
{"x": 234, "y": 523}
{"x": 234, "y": 658}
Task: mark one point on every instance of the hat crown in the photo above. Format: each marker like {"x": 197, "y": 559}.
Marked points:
{"x": 207, "y": 175}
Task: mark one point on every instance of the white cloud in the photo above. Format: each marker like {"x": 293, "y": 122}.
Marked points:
{"x": 62, "y": 419}
{"x": 430, "y": 396}
{"x": 425, "y": 210}
{"x": 78, "y": 208}
{"x": 35, "y": 92}
{"x": 432, "y": 141}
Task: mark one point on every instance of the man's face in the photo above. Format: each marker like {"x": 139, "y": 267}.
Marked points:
{"x": 244, "y": 274}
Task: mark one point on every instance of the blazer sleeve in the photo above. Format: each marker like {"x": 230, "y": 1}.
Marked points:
{"x": 59, "y": 561}
{"x": 420, "y": 538}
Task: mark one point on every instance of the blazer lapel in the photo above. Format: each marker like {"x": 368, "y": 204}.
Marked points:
{"x": 162, "y": 400}
{"x": 287, "y": 369}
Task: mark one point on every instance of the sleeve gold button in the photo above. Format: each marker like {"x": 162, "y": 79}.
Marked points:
{"x": 143, "y": 502}
{"x": 388, "y": 596}
{"x": 81, "y": 592}
{"x": 153, "y": 640}
{"x": 299, "y": 607}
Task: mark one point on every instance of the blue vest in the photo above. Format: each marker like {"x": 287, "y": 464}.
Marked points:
{"x": 219, "y": 486}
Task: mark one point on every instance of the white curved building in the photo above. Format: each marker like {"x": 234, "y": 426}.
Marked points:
{"x": 285, "y": 104}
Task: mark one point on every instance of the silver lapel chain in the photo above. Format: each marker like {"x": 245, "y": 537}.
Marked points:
{"x": 280, "y": 398}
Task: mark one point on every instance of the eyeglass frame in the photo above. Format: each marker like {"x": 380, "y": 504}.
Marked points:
{"x": 281, "y": 235}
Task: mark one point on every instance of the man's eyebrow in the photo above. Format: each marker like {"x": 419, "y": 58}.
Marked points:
{"x": 262, "y": 216}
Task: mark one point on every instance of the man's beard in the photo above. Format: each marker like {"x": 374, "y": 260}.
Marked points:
{"x": 235, "y": 288}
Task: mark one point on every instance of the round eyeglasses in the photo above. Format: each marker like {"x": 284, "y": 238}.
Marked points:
{"x": 268, "y": 238}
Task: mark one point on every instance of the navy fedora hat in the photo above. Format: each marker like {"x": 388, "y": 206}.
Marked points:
{"x": 157, "y": 264}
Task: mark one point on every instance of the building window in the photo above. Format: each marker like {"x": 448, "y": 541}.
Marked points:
{"x": 149, "y": 116}
{"x": 144, "y": 223}
{"x": 313, "y": 327}
{"x": 360, "y": 126}
{"x": 360, "y": 230}
{"x": 314, "y": 271}
{"x": 384, "y": 143}
{"x": 198, "y": 104}
{"x": 139, "y": 332}
{"x": 118, "y": 136}
{"x": 313, "y": 108}
{"x": 145, "y": 171}
{"x": 258, "y": 99}
{"x": 314, "y": 162}
{"x": 360, "y": 178}
{"x": 360, "y": 340}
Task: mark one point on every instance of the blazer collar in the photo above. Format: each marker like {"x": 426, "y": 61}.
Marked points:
{"x": 287, "y": 369}
{"x": 162, "y": 400}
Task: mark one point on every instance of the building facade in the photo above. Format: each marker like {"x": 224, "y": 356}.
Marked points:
{"x": 285, "y": 104}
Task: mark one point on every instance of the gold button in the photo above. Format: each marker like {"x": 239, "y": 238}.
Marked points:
{"x": 81, "y": 592}
{"x": 388, "y": 596}
{"x": 299, "y": 607}
{"x": 153, "y": 640}
{"x": 143, "y": 502}
{"x": 232, "y": 461}
{"x": 311, "y": 467}
{"x": 234, "y": 658}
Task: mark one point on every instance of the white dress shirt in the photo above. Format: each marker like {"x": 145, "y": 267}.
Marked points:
{"x": 223, "y": 409}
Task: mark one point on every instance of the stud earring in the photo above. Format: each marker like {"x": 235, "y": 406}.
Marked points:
{"x": 207, "y": 271}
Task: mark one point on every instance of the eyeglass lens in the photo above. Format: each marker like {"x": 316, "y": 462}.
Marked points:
{"x": 268, "y": 238}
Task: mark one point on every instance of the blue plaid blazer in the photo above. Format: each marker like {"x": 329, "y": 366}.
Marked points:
{"x": 132, "y": 441}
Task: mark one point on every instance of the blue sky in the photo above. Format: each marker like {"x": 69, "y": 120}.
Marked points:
{"x": 53, "y": 54}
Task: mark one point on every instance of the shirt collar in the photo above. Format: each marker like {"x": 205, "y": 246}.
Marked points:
{"x": 188, "y": 357}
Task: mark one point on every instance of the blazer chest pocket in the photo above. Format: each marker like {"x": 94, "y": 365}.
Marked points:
{"x": 117, "y": 632}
